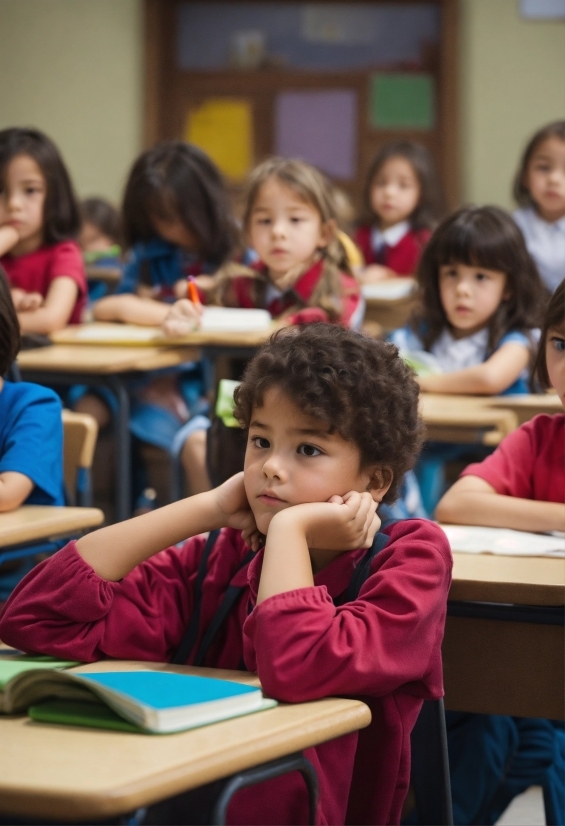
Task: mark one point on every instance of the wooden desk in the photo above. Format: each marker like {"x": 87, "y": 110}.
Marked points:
{"x": 465, "y": 419}
{"x": 390, "y": 313}
{"x": 528, "y": 405}
{"x": 110, "y": 275}
{"x": 32, "y": 522}
{"x": 68, "y": 773}
{"x": 110, "y": 367}
{"x": 507, "y": 658}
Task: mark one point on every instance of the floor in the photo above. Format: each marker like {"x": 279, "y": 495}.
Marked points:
{"x": 525, "y": 810}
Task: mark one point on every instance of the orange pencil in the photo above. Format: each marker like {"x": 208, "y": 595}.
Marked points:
{"x": 193, "y": 290}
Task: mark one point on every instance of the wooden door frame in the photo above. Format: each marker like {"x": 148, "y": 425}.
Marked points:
{"x": 159, "y": 21}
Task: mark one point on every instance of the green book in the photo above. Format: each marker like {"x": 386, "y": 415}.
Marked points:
{"x": 14, "y": 671}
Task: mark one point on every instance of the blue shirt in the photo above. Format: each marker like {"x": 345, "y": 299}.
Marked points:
{"x": 31, "y": 439}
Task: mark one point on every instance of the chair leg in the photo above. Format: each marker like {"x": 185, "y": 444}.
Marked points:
{"x": 430, "y": 766}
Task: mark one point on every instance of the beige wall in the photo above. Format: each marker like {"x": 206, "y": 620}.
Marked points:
{"x": 512, "y": 81}
{"x": 73, "y": 68}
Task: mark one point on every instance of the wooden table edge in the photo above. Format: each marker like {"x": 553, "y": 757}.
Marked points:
{"x": 148, "y": 790}
{"x": 90, "y": 518}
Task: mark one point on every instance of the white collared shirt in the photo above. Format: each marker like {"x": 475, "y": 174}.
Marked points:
{"x": 389, "y": 237}
{"x": 546, "y": 244}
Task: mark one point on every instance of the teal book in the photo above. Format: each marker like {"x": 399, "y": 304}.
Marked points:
{"x": 159, "y": 702}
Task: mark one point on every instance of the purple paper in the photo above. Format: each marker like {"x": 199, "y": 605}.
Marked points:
{"x": 319, "y": 127}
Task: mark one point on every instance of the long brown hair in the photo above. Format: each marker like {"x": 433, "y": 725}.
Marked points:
{"x": 313, "y": 188}
{"x": 429, "y": 208}
{"x": 554, "y": 320}
{"x": 520, "y": 190}
{"x": 10, "y": 337}
{"x": 479, "y": 237}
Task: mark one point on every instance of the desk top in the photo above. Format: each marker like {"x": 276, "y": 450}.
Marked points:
{"x": 72, "y": 773}
{"x": 524, "y": 580}
{"x": 110, "y": 334}
{"x": 30, "y": 522}
{"x": 103, "y": 360}
{"x": 447, "y": 415}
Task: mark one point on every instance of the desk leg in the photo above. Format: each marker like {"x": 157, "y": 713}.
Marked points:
{"x": 123, "y": 449}
{"x": 284, "y": 765}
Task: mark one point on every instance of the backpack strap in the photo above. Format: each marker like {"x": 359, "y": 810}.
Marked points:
{"x": 363, "y": 569}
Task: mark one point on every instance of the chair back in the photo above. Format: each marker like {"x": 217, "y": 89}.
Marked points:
{"x": 80, "y": 432}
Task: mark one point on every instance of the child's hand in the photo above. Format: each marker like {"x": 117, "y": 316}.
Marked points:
{"x": 180, "y": 288}
{"x": 183, "y": 318}
{"x": 234, "y": 511}
{"x": 9, "y": 237}
{"x": 344, "y": 523}
{"x": 27, "y": 302}
{"x": 374, "y": 273}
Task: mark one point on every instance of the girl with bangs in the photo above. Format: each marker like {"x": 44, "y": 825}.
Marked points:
{"x": 480, "y": 306}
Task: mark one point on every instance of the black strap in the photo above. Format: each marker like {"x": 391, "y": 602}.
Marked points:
{"x": 362, "y": 571}
{"x": 191, "y": 633}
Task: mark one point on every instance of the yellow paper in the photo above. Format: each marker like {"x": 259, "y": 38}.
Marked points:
{"x": 222, "y": 127}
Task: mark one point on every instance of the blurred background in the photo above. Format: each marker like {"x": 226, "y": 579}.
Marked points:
{"x": 472, "y": 79}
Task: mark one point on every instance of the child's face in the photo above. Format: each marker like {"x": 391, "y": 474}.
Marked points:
{"x": 470, "y": 296}
{"x": 285, "y": 230}
{"x": 545, "y": 179}
{"x": 21, "y": 202}
{"x": 555, "y": 360}
{"x": 92, "y": 239}
{"x": 291, "y": 459}
{"x": 173, "y": 230}
{"x": 395, "y": 192}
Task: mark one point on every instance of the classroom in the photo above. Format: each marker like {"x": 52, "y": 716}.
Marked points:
{"x": 282, "y": 427}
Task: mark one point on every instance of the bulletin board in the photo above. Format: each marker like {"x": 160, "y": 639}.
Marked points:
{"x": 242, "y": 114}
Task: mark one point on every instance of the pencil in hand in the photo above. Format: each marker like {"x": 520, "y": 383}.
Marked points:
{"x": 193, "y": 290}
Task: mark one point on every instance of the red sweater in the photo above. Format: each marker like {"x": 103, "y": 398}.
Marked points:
{"x": 384, "y": 647}
{"x": 243, "y": 293}
{"x": 403, "y": 258}
{"x": 529, "y": 463}
{"x": 36, "y": 271}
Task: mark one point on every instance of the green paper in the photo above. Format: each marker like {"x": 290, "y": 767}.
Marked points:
{"x": 402, "y": 101}
{"x": 12, "y": 666}
{"x": 225, "y": 402}
{"x": 78, "y": 713}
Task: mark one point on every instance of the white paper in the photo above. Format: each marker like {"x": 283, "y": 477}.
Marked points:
{"x": 503, "y": 541}
{"x": 389, "y": 290}
{"x": 234, "y": 320}
{"x": 337, "y": 23}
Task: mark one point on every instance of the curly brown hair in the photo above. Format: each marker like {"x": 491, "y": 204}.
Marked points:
{"x": 554, "y": 320}
{"x": 358, "y": 386}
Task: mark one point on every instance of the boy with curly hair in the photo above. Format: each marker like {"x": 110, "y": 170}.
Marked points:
{"x": 333, "y": 426}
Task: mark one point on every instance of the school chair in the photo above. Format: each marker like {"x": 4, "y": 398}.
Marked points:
{"x": 80, "y": 432}
{"x": 429, "y": 778}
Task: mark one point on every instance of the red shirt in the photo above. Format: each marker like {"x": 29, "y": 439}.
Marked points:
{"x": 403, "y": 257}
{"x": 384, "y": 647}
{"x": 243, "y": 294}
{"x": 529, "y": 463}
{"x": 36, "y": 271}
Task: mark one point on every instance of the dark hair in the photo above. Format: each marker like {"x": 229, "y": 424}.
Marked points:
{"x": 178, "y": 178}
{"x": 104, "y": 216}
{"x": 430, "y": 204}
{"x": 61, "y": 219}
{"x": 10, "y": 337}
{"x": 358, "y": 386}
{"x": 519, "y": 190}
{"x": 554, "y": 320}
{"x": 314, "y": 188}
{"x": 479, "y": 237}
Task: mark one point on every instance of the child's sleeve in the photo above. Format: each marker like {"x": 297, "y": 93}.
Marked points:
{"x": 65, "y": 609}
{"x": 67, "y": 261}
{"x": 510, "y": 469}
{"x": 304, "y": 647}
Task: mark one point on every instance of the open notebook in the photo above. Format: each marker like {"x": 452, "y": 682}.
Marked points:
{"x": 473, "y": 539}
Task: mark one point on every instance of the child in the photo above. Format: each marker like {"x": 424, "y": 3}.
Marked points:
{"x": 539, "y": 189}
{"x": 31, "y": 438}
{"x": 481, "y": 300}
{"x": 333, "y": 426}
{"x": 303, "y": 273}
{"x": 519, "y": 486}
{"x": 176, "y": 221}
{"x": 402, "y": 204}
{"x": 100, "y": 242}
{"x": 39, "y": 220}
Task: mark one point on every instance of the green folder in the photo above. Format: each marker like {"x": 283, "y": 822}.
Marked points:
{"x": 76, "y": 713}
{"x": 402, "y": 100}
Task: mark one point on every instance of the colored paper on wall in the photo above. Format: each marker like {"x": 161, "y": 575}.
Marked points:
{"x": 223, "y": 128}
{"x": 402, "y": 101}
{"x": 319, "y": 127}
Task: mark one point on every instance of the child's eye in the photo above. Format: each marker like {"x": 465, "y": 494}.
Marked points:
{"x": 481, "y": 276}
{"x": 558, "y": 343}
{"x": 260, "y": 442}
{"x": 309, "y": 450}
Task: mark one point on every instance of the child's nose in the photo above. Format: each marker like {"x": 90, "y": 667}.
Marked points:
{"x": 273, "y": 467}
{"x": 279, "y": 227}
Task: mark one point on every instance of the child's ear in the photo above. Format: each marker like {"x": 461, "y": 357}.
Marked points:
{"x": 328, "y": 231}
{"x": 380, "y": 482}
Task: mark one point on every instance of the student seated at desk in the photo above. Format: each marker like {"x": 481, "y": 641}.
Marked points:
{"x": 480, "y": 304}
{"x": 520, "y": 486}
{"x": 31, "y": 438}
{"x": 100, "y": 240}
{"x": 39, "y": 221}
{"x": 332, "y": 419}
